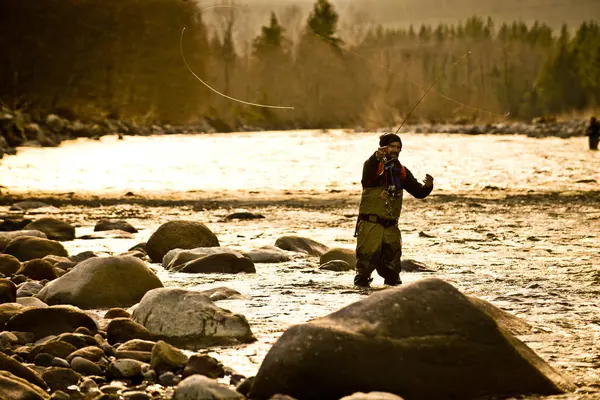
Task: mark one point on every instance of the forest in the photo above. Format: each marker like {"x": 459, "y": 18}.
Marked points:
{"x": 126, "y": 59}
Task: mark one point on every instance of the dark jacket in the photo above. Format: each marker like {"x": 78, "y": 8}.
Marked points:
{"x": 593, "y": 130}
{"x": 373, "y": 201}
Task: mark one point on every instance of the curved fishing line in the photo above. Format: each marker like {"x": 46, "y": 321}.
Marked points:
{"x": 410, "y": 80}
{"x": 210, "y": 87}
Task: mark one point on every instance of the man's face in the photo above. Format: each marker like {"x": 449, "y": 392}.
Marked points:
{"x": 394, "y": 149}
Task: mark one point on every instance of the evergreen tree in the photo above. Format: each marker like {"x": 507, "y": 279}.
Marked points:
{"x": 323, "y": 20}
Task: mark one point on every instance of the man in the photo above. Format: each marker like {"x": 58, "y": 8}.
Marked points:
{"x": 379, "y": 244}
{"x": 593, "y": 133}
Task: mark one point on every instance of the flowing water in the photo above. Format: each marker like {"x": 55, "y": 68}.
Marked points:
{"x": 513, "y": 220}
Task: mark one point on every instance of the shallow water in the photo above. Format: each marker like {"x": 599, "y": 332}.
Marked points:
{"x": 534, "y": 254}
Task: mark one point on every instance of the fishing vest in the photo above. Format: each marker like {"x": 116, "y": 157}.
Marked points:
{"x": 385, "y": 201}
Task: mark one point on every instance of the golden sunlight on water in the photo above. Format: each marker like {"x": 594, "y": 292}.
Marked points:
{"x": 299, "y": 160}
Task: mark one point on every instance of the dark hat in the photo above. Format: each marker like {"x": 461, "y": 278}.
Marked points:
{"x": 387, "y": 138}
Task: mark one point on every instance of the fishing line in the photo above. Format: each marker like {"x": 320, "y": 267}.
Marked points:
{"x": 210, "y": 87}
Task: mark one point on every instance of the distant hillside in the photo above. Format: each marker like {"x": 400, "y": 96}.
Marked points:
{"x": 402, "y": 13}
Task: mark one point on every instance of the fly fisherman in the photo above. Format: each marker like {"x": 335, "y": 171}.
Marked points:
{"x": 379, "y": 244}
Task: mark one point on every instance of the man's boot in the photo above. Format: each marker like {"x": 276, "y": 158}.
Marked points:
{"x": 392, "y": 281}
{"x": 362, "y": 280}
{"x": 363, "y": 274}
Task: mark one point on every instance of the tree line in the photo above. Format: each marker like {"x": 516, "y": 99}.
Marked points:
{"x": 94, "y": 59}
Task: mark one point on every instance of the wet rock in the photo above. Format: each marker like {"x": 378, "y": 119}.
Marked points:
{"x": 268, "y": 254}
{"x": 414, "y": 266}
{"x": 53, "y": 228}
{"x": 60, "y": 395}
{"x": 244, "y": 215}
{"x": 225, "y": 263}
{"x": 336, "y": 265}
{"x": 60, "y": 378}
{"x": 29, "y": 289}
{"x": 301, "y": 245}
{"x": 38, "y": 270}
{"x": 20, "y": 370}
{"x": 56, "y": 348}
{"x": 179, "y": 234}
{"x": 27, "y": 248}
{"x": 204, "y": 365}
{"x": 167, "y": 358}
{"x": 125, "y": 368}
{"x": 116, "y": 313}
{"x": 85, "y": 367}
{"x": 8, "y": 291}
{"x": 9, "y": 265}
{"x": 222, "y": 293}
{"x": 136, "y": 395}
{"x": 143, "y": 356}
{"x": 13, "y": 222}
{"x": 168, "y": 379}
{"x": 31, "y": 302}
{"x": 43, "y": 360}
{"x": 245, "y": 386}
{"x": 78, "y": 340}
{"x": 114, "y": 234}
{"x": 91, "y": 353}
{"x": 372, "y": 396}
{"x": 201, "y": 387}
{"x": 137, "y": 345}
{"x": 428, "y": 330}
{"x": 8, "y": 338}
{"x": 17, "y": 279}
{"x": 175, "y": 258}
{"x": 15, "y": 388}
{"x": 109, "y": 225}
{"x": 348, "y": 255}
{"x": 28, "y": 205}
{"x": 120, "y": 330}
{"x": 60, "y": 262}
{"x": 53, "y": 320}
{"x": 86, "y": 255}
{"x": 60, "y": 362}
{"x": 102, "y": 282}
{"x": 505, "y": 320}
{"x": 160, "y": 311}
{"x": 9, "y": 310}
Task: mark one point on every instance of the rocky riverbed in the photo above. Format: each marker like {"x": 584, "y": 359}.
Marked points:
{"x": 533, "y": 255}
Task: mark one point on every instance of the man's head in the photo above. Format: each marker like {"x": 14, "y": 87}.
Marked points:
{"x": 593, "y": 120}
{"x": 392, "y": 142}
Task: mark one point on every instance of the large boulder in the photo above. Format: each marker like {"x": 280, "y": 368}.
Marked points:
{"x": 268, "y": 254}
{"x": 14, "y": 388}
{"x": 338, "y": 253}
{"x": 179, "y": 234}
{"x": 27, "y": 248}
{"x": 225, "y": 263}
{"x": 48, "y": 321}
{"x": 189, "y": 319}
{"x": 428, "y": 331}
{"x": 102, "y": 282}
{"x": 7, "y": 237}
{"x": 110, "y": 225}
{"x": 175, "y": 258}
{"x": 53, "y": 228}
{"x": 301, "y": 245}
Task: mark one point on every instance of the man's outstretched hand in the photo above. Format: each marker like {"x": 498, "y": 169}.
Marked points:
{"x": 428, "y": 181}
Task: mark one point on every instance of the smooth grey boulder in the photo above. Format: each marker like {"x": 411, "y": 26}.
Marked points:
{"x": 201, "y": 387}
{"x": 102, "y": 282}
{"x": 179, "y": 234}
{"x": 189, "y": 319}
{"x": 338, "y": 253}
{"x": 301, "y": 245}
{"x": 175, "y": 258}
{"x": 405, "y": 338}
{"x": 268, "y": 254}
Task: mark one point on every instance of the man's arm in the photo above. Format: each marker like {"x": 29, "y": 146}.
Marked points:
{"x": 369, "y": 176}
{"x": 416, "y": 188}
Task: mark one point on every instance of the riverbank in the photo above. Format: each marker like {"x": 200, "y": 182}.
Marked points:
{"x": 22, "y": 129}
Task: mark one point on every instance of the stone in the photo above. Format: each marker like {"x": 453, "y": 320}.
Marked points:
{"x": 168, "y": 379}
{"x": 179, "y": 234}
{"x": 167, "y": 358}
{"x": 427, "y": 330}
{"x": 137, "y": 345}
{"x": 78, "y": 340}
{"x": 222, "y": 293}
{"x": 16, "y": 368}
{"x": 60, "y": 362}
{"x": 336, "y": 266}
{"x": 176, "y": 258}
{"x": 161, "y": 311}
{"x": 409, "y": 265}
{"x": 201, "y": 387}
{"x": 338, "y": 253}
{"x": 60, "y": 378}
{"x": 109, "y": 225}
{"x": 225, "y": 263}
{"x": 9, "y": 265}
{"x": 7, "y": 237}
{"x": 43, "y": 360}
{"x": 56, "y": 348}
{"x": 204, "y": 365}
{"x": 116, "y": 313}
{"x": 14, "y": 388}
{"x": 372, "y": 396}
{"x": 85, "y": 367}
{"x": 53, "y": 228}
{"x": 120, "y": 330}
{"x": 125, "y": 368}
{"x": 244, "y": 215}
{"x": 29, "y": 289}
{"x": 38, "y": 270}
{"x": 53, "y": 320}
{"x": 33, "y": 302}
{"x": 143, "y": 356}
{"x": 268, "y": 254}
{"x": 9, "y": 310}
{"x": 102, "y": 282}
{"x": 27, "y": 248}
{"x": 8, "y": 291}
{"x": 92, "y": 353}
{"x": 301, "y": 245}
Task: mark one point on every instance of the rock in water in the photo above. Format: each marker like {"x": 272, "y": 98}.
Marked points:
{"x": 102, "y": 282}
{"x": 53, "y": 320}
{"x": 179, "y": 234}
{"x": 189, "y": 319}
{"x": 338, "y": 253}
{"x": 53, "y": 228}
{"x": 27, "y": 248}
{"x": 200, "y": 387}
{"x": 423, "y": 340}
{"x": 301, "y": 245}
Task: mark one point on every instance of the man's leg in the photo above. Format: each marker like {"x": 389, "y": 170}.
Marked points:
{"x": 368, "y": 251}
{"x": 391, "y": 256}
